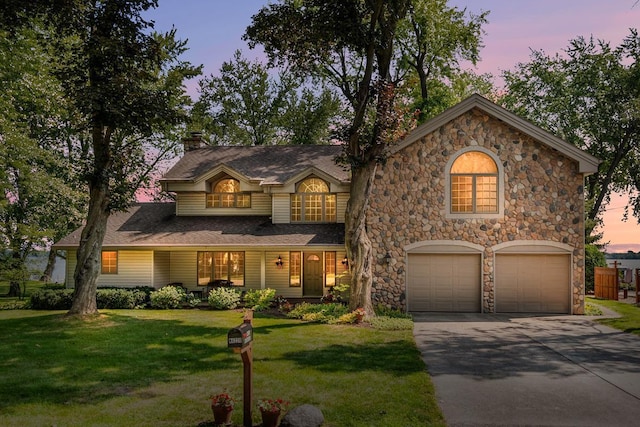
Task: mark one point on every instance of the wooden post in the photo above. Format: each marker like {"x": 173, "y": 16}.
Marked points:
{"x": 615, "y": 265}
{"x": 247, "y": 363}
{"x": 637, "y": 285}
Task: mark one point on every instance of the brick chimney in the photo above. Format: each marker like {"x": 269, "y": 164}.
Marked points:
{"x": 193, "y": 142}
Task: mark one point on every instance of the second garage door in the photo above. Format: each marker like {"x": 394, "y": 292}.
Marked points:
{"x": 444, "y": 282}
{"x": 532, "y": 283}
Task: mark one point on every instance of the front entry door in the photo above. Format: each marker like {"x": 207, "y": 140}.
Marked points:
{"x": 312, "y": 272}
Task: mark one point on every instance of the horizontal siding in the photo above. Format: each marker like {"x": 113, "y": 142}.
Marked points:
{"x": 341, "y": 206}
{"x": 184, "y": 267}
{"x": 161, "y": 268}
{"x": 278, "y": 278}
{"x": 70, "y": 268}
{"x": 194, "y": 204}
{"x": 252, "y": 276}
{"x": 135, "y": 268}
{"x": 281, "y": 208}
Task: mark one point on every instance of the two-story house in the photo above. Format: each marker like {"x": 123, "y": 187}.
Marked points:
{"x": 477, "y": 210}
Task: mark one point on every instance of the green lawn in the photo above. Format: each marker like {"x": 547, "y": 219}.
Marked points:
{"x": 630, "y": 315}
{"x": 158, "y": 368}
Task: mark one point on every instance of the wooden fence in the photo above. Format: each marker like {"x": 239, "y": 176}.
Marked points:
{"x": 606, "y": 283}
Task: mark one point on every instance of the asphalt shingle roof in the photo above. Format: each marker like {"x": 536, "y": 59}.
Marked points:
{"x": 155, "y": 224}
{"x": 274, "y": 164}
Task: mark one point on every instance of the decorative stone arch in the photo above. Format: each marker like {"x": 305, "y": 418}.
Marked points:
{"x": 500, "y": 190}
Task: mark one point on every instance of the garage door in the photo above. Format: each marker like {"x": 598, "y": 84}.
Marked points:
{"x": 444, "y": 282}
{"x": 532, "y": 283}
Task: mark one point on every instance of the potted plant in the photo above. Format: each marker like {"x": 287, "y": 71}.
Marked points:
{"x": 222, "y": 405}
{"x": 270, "y": 410}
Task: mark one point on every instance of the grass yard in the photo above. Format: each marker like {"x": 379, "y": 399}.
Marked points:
{"x": 158, "y": 368}
{"x": 630, "y": 315}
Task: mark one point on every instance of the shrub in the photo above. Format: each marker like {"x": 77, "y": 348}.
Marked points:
{"x": 167, "y": 297}
{"x": 192, "y": 300}
{"x": 52, "y": 299}
{"x": 323, "y": 313}
{"x": 593, "y": 258}
{"x": 386, "y": 323}
{"x": 115, "y": 298}
{"x": 224, "y": 298}
{"x": 259, "y": 300}
{"x": 384, "y": 311}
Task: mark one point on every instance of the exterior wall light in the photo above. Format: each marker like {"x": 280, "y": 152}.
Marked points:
{"x": 279, "y": 262}
{"x": 345, "y": 262}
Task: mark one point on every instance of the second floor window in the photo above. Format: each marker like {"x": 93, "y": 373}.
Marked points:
{"x": 474, "y": 184}
{"x": 312, "y": 202}
{"x": 226, "y": 194}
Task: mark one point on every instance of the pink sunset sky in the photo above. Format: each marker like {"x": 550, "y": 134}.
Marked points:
{"x": 214, "y": 30}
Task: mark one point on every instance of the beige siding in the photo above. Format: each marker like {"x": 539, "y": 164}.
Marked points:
{"x": 161, "y": 268}
{"x": 281, "y": 208}
{"x": 135, "y": 268}
{"x": 252, "y": 263}
{"x": 184, "y": 268}
{"x": 278, "y": 278}
{"x": 342, "y": 200}
{"x": 192, "y": 204}
{"x": 70, "y": 268}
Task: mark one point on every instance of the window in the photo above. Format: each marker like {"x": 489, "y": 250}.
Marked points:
{"x": 221, "y": 266}
{"x": 294, "y": 269}
{"x": 109, "y": 262}
{"x": 313, "y": 203}
{"x": 474, "y": 184}
{"x": 226, "y": 194}
{"x": 329, "y": 268}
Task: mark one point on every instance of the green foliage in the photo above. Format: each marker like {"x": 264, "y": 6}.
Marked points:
{"x": 48, "y": 299}
{"x": 246, "y": 105}
{"x": 322, "y": 313}
{"x": 167, "y": 297}
{"x": 591, "y": 309}
{"x": 385, "y": 323}
{"x": 384, "y": 311}
{"x": 590, "y": 97}
{"x": 593, "y": 258}
{"x": 259, "y": 299}
{"x": 224, "y": 298}
{"x": 120, "y": 298}
{"x": 629, "y": 320}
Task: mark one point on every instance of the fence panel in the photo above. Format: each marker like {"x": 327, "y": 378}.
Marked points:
{"x": 606, "y": 283}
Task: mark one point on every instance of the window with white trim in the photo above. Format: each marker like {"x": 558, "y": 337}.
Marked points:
{"x": 474, "y": 184}
{"x": 226, "y": 194}
{"x": 312, "y": 202}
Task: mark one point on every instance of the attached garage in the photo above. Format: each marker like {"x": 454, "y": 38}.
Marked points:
{"x": 444, "y": 282}
{"x": 533, "y": 283}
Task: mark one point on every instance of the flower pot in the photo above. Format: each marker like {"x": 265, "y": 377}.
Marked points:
{"x": 221, "y": 415}
{"x": 270, "y": 419}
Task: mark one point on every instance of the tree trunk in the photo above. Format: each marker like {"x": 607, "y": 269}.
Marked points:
{"x": 358, "y": 244}
{"x": 51, "y": 264}
{"x": 89, "y": 253}
{"x": 14, "y": 289}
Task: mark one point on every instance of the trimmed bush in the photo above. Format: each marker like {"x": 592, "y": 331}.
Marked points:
{"x": 224, "y": 298}
{"x": 120, "y": 298}
{"x": 259, "y": 300}
{"x": 386, "y": 323}
{"x": 52, "y": 299}
{"x": 167, "y": 297}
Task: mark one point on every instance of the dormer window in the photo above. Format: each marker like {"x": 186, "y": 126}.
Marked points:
{"x": 226, "y": 194}
{"x": 312, "y": 202}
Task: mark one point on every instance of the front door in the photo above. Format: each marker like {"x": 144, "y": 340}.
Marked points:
{"x": 312, "y": 274}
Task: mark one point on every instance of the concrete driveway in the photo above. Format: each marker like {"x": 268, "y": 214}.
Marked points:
{"x": 511, "y": 370}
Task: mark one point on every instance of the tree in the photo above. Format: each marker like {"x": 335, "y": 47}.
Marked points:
{"x": 126, "y": 84}
{"x": 352, "y": 44}
{"x": 38, "y": 198}
{"x": 590, "y": 97}
{"x": 246, "y": 105}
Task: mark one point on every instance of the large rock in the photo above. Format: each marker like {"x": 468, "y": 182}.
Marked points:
{"x": 303, "y": 416}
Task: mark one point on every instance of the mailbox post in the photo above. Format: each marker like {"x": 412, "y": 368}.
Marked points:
{"x": 240, "y": 340}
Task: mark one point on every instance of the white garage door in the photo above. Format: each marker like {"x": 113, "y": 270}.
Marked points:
{"x": 532, "y": 283}
{"x": 444, "y": 282}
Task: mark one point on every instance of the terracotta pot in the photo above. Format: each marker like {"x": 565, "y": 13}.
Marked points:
{"x": 270, "y": 419}
{"x": 221, "y": 415}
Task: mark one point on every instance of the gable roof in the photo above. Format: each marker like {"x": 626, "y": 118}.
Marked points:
{"x": 156, "y": 225}
{"x": 587, "y": 163}
{"x": 273, "y": 164}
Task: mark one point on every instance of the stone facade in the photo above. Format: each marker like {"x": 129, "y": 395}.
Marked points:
{"x": 543, "y": 201}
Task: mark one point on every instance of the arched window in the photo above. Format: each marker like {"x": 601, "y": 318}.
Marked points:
{"x": 474, "y": 183}
{"x": 312, "y": 202}
{"x": 226, "y": 194}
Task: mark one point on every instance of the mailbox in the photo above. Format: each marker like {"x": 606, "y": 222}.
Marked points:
{"x": 240, "y": 336}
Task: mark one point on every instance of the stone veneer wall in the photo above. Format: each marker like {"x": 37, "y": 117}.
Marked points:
{"x": 543, "y": 193}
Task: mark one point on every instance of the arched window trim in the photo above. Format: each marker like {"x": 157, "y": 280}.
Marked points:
{"x": 307, "y": 206}
{"x": 226, "y": 199}
{"x": 499, "y": 189}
